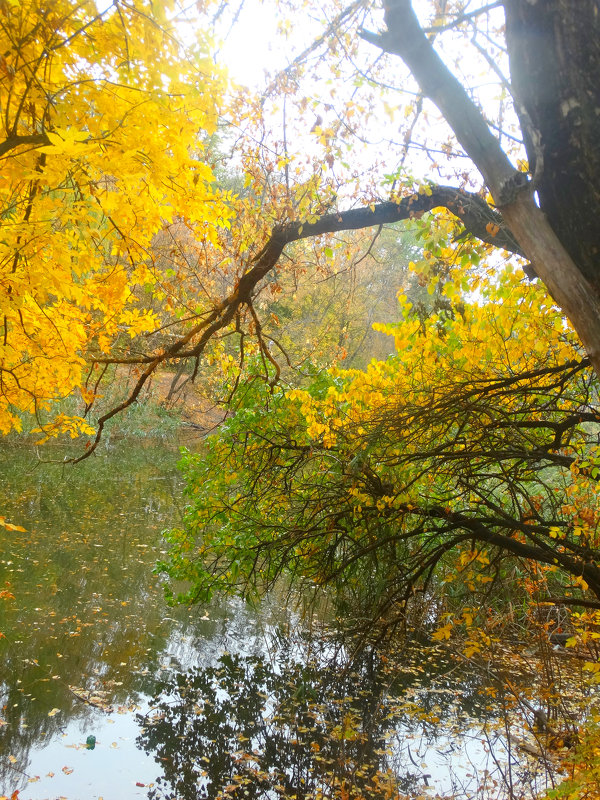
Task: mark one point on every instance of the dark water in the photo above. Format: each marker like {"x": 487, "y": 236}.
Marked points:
{"x": 105, "y": 692}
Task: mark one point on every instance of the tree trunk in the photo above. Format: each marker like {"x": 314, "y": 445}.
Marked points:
{"x": 562, "y": 271}
{"x": 554, "y": 51}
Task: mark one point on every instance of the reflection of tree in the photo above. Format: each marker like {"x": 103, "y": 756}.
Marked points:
{"x": 248, "y": 727}
{"x": 81, "y": 575}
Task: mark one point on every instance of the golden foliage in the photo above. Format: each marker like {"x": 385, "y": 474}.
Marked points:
{"x": 103, "y": 117}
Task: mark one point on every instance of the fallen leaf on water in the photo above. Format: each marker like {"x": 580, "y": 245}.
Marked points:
{"x": 54, "y": 712}
{"x": 67, "y": 770}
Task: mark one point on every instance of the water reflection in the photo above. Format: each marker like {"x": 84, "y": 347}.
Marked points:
{"x": 87, "y": 615}
{"x": 250, "y": 727}
{"x": 189, "y": 703}
{"x": 303, "y": 721}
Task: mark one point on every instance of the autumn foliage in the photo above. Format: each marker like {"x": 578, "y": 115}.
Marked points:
{"x": 479, "y": 430}
{"x": 103, "y": 121}
{"x": 470, "y": 453}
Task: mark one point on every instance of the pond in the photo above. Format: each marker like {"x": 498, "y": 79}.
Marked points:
{"x": 106, "y": 692}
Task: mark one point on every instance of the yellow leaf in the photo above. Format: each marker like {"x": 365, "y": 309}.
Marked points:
{"x": 9, "y": 525}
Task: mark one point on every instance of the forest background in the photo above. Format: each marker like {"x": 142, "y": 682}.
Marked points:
{"x": 156, "y": 217}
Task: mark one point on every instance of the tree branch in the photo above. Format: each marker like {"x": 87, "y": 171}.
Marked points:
{"x": 464, "y": 16}
{"x": 573, "y": 601}
{"x": 474, "y": 212}
{"x": 511, "y": 189}
{"x": 12, "y": 142}
{"x": 405, "y": 38}
{"x": 476, "y": 215}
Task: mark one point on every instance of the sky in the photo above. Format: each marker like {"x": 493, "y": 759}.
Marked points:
{"x": 250, "y": 44}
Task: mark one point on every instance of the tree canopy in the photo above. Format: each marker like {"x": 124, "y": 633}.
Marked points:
{"x": 85, "y": 88}
{"x": 121, "y": 246}
{"x": 153, "y": 215}
{"x": 123, "y": 243}
{"x": 476, "y": 443}
{"x": 104, "y": 119}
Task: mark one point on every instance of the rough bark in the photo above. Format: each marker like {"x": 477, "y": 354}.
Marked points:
{"x": 554, "y": 50}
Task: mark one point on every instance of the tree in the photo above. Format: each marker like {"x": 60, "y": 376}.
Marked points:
{"x": 474, "y": 448}
{"x": 80, "y": 84}
{"x": 531, "y": 209}
{"x": 552, "y": 96}
{"x": 103, "y": 120}
{"x": 553, "y": 93}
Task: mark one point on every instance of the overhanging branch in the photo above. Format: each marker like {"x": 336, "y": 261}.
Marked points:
{"x": 478, "y": 217}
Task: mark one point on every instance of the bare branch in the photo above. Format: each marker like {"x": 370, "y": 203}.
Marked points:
{"x": 320, "y": 40}
{"x": 465, "y": 16}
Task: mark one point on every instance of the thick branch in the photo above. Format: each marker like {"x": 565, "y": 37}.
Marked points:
{"x": 537, "y": 240}
{"x": 13, "y": 142}
{"x": 476, "y": 215}
{"x": 474, "y": 212}
{"x": 478, "y": 218}
{"x": 483, "y": 532}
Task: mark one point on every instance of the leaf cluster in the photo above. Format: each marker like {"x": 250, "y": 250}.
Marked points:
{"x": 102, "y": 119}
{"x": 479, "y": 437}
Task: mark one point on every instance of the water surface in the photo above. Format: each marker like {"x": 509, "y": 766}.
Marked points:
{"x": 105, "y": 692}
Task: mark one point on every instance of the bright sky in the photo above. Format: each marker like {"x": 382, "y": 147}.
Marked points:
{"x": 252, "y": 44}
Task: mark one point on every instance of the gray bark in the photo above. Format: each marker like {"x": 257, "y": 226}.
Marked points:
{"x": 559, "y": 264}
